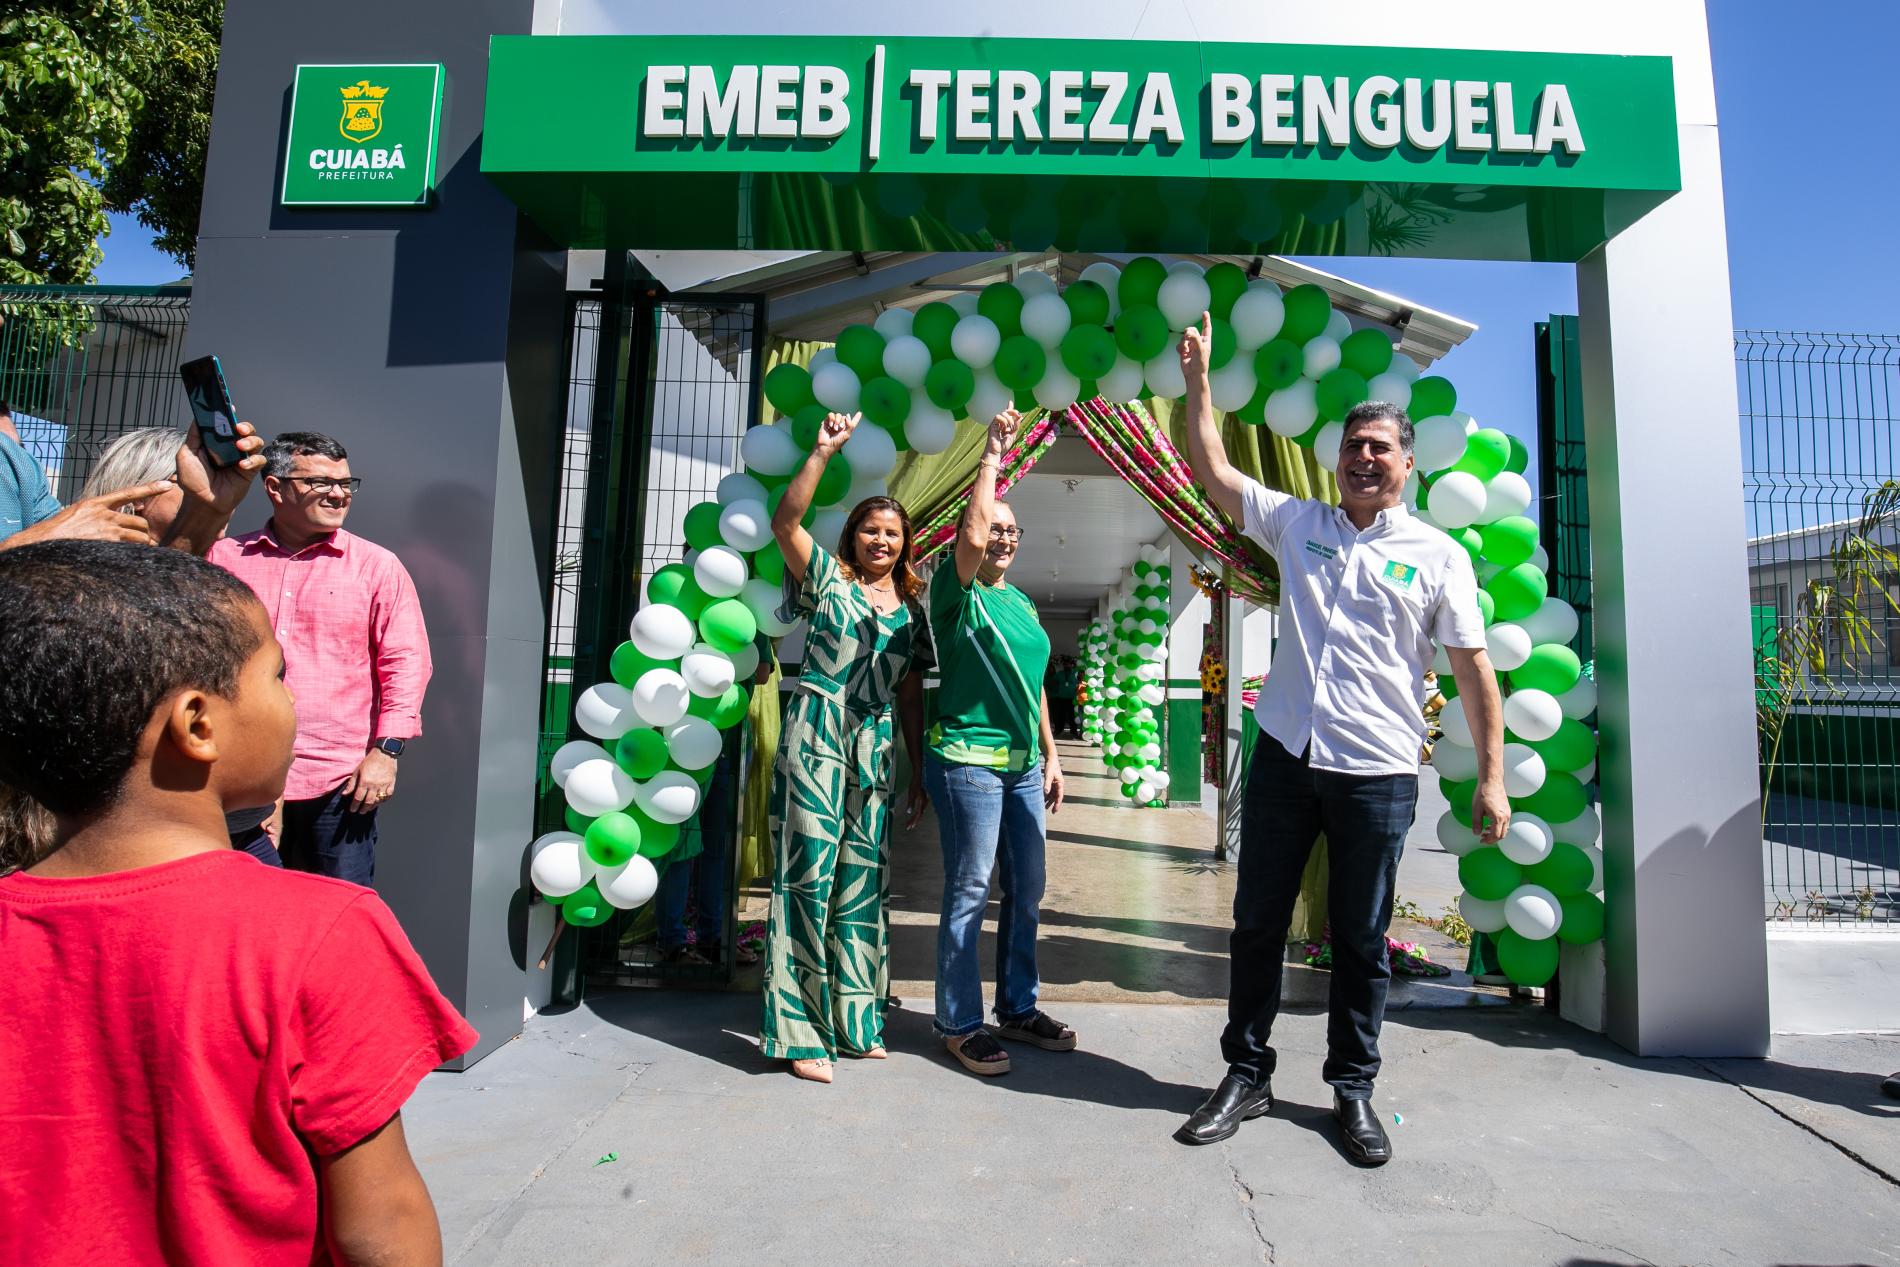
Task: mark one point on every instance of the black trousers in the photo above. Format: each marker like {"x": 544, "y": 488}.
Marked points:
{"x": 1287, "y": 804}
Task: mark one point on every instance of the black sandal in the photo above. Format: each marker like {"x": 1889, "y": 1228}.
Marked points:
{"x": 1041, "y": 1029}
{"x": 979, "y": 1053}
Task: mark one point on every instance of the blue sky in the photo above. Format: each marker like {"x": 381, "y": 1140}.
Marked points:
{"x": 1797, "y": 99}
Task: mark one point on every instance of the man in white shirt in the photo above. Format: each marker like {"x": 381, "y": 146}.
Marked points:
{"x": 1365, "y": 590}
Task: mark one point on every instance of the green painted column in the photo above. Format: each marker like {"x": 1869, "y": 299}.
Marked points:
{"x": 1183, "y": 741}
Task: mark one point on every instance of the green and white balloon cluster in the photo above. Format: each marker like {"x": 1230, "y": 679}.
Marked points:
{"x": 1136, "y": 672}
{"x": 682, "y": 678}
{"x": 1095, "y": 651}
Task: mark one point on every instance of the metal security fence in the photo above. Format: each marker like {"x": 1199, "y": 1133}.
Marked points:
{"x": 82, "y": 365}
{"x": 1819, "y": 457}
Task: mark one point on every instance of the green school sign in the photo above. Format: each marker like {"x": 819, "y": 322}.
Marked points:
{"x": 859, "y": 143}
{"x": 362, "y": 136}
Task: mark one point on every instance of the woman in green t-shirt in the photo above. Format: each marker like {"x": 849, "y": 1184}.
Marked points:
{"x": 991, "y": 770}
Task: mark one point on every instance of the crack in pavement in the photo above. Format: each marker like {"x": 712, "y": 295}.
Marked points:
{"x": 1243, "y": 1191}
{"x": 574, "y": 1136}
{"x": 1588, "y": 1244}
{"x": 1785, "y": 1116}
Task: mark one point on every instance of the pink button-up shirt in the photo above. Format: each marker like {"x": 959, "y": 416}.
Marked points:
{"x": 356, "y": 654}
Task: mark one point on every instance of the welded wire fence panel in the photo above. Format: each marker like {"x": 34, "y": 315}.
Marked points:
{"x": 82, "y": 365}
{"x": 1818, "y": 447}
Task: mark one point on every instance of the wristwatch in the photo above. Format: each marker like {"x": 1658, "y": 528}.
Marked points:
{"x": 391, "y": 748}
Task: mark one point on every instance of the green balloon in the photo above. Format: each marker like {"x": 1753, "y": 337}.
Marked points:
{"x": 1002, "y": 303}
{"x": 1461, "y": 795}
{"x": 1088, "y": 304}
{"x": 1088, "y": 352}
{"x": 1565, "y": 871}
{"x": 834, "y": 483}
{"x": 1527, "y": 962}
{"x": 1308, "y": 309}
{"x": 1519, "y": 591}
{"x": 576, "y": 822}
{"x": 861, "y": 349}
{"x": 1020, "y": 362}
{"x": 674, "y": 586}
{"x": 1128, "y": 789}
{"x": 1510, "y": 541}
{"x": 1487, "y": 607}
{"x": 805, "y": 424}
{"x": 628, "y": 663}
{"x": 702, "y": 525}
{"x": 933, "y": 324}
{"x": 777, "y": 495}
{"x": 1583, "y": 919}
{"x": 788, "y": 387}
{"x": 1551, "y": 668}
{"x": 1432, "y": 396}
{"x": 1486, "y": 452}
{"x": 885, "y": 401}
{"x": 1278, "y": 364}
{"x": 586, "y": 908}
{"x": 723, "y": 711}
{"x": 1312, "y": 434}
{"x": 1486, "y": 873}
{"x": 656, "y": 838}
{"x": 729, "y": 625}
{"x": 1225, "y": 283}
{"x": 1470, "y": 539}
{"x": 1520, "y": 457}
{"x": 1367, "y": 353}
{"x": 1448, "y": 686}
{"x": 612, "y": 839}
{"x": 1254, "y": 412}
{"x": 1559, "y": 800}
{"x": 1222, "y": 349}
{"x": 641, "y": 752}
{"x": 1338, "y": 391}
{"x": 1141, "y": 332}
{"x": 551, "y": 900}
{"x": 768, "y": 563}
{"x": 950, "y": 384}
{"x": 1141, "y": 281}
{"x": 1573, "y": 747}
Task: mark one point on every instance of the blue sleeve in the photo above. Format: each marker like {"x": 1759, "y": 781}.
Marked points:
{"x": 24, "y": 495}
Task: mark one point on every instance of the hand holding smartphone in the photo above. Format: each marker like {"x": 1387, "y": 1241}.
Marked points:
{"x": 211, "y": 409}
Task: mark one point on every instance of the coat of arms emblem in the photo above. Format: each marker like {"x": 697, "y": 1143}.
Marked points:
{"x": 362, "y": 111}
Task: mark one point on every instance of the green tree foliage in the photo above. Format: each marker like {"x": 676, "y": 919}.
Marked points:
{"x": 161, "y": 179}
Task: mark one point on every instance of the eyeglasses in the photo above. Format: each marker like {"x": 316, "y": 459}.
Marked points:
{"x": 998, "y": 533}
{"x": 318, "y": 484}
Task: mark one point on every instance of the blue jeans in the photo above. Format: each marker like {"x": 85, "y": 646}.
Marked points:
{"x": 986, "y": 819}
{"x": 321, "y": 835}
{"x": 710, "y": 866}
{"x": 1286, "y": 806}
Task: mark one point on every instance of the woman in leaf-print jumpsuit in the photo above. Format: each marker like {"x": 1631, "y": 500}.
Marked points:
{"x": 826, "y": 965}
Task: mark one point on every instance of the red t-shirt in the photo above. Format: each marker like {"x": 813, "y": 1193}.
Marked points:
{"x": 179, "y": 1040}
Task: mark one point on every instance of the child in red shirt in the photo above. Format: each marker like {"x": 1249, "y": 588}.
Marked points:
{"x": 204, "y": 1058}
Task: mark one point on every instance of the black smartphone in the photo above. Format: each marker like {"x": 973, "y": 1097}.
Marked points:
{"x": 211, "y": 409}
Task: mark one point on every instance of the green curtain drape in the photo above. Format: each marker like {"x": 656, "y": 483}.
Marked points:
{"x": 755, "y": 812}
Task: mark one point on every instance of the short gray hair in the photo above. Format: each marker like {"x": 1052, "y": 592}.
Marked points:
{"x": 1381, "y": 411}
{"x": 137, "y": 457}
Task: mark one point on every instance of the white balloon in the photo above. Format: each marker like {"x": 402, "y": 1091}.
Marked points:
{"x": 828, "y": 525}
{"x": 1484, "y": 915}
{"x": 693, "y": 742}
{"x": 1455, "y": 762}
{"x": 1451, "y": 720}
{"x": 1524, "y": 769}
{"x": 1585, "y": 829}
{"x": 668, "y": 797}
{"x": 822, "y": 357}
{"x": 605, "y": 710}
{"x": 1109, "y": 278}
{"x": 630, "y": 885}
{"x": 1151, "y": 694}
{"x": 1540, "y": 559}
{"x": 1595, "y": 856}
{"x": 990, "y": 397}
{"x": 745, "y": 524}
{"x": 1507, "y": 494}
{"x": 907, "y": 360}
{"x": 771, "y": 450}
{"x": 1456, "y": 499}
{"x": 739, "y": 487}
{"x": 1233, "y": 384}
{"x": 1164, "y": 375}
{"x": 837, "y": 389}
{"x": 974, "y": 341}
{"x": 1188, "y": 267}
{"x": 1058, "y": 388}
{"x": 1293, "y": 410}
{"x": 720, "y": 571}
{"x": 963, "y": 303}
{"x": 762, "y": 599}
{"x": 1527, "y": 840}
{"x": 1045, "y": 319}
{"x": 1580, "y": 700}
{"x": 864, "y": 489}
{"x": 929, "y": 429}
{"x": 1437, "y": 442}
{"x": 1131, "y": 775}
{"x": 1392, "y": 388}
{"x": 1123, "y": 383}
{"x": 571, "y": 754}
{"x": 660, "y": 697}
{"x": 1326, "y": 445}
{"x": 1405, "y": 367}
{"x": 1035, "y": 282}
{"x": 1320, "y": 357}
{"x": 1454, "y": 834}
{"x": 1412, "y": 486}
{"x": 1466, "y": 421}
{"x": 1588, "y": 772}
{"x": 662, "y": 632}
{"x": 598, "y": 787}
{"x": 707, "y": 670}
{"x": 1533, "y": 911}
{"x": 1258, "y": 315}
{"x": 870, "y": 453}
{"x": 1508, "y": 645}
{"x": 894, "y": 323}
{"x": 1553, "y": 621}
{"x": 1183, "y": 297}
{"x": 560, "y": 865}
{"x": 745, "y": 661}
{"x": 1532, "y": 714}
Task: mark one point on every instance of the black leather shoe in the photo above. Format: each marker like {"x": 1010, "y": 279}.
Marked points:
{"x": 1234, "y": 1101}
{"x": 1365, "y": 1138}
{"x": 1891, "y": 1086}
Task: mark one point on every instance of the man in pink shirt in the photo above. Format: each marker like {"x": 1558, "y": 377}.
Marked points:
{"x": 356, "y": 654}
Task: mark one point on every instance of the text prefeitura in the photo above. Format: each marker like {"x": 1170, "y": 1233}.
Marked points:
{"x": 1108, "y": 106}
